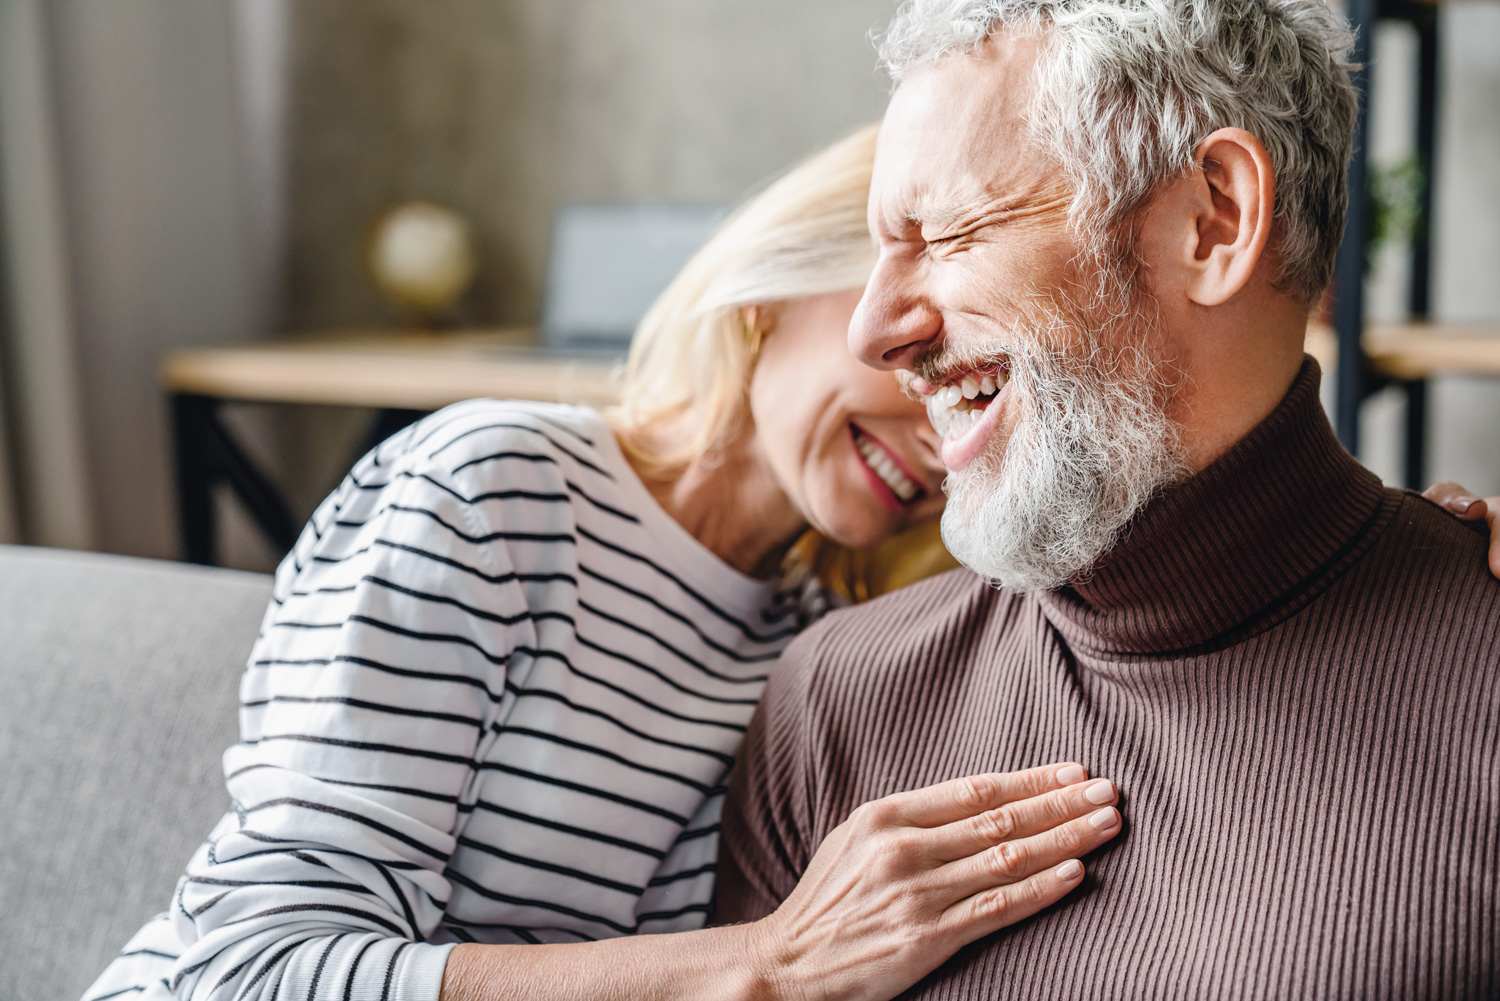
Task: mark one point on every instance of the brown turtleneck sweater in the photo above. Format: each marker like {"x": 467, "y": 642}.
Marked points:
{"x": 1292, "y": 674}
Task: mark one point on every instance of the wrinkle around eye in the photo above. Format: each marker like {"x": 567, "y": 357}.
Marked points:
{"x": 948, "y": 246}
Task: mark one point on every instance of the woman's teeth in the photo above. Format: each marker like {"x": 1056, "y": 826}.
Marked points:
{"x": 956, "y": 407}
{"x": 880, "y": 461}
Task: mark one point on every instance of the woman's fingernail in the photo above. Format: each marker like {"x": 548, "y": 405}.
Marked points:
{"x": 1072, "y": 773}
{"x": 1100, "y": 819}
{"x": 1100, "y": 791}
{"x": 1070, "y": 870}
{"x": 1462, "y": 504}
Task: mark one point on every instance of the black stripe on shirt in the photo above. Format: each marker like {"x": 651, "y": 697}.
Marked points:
{"x": 279, "y": 955}
{"x": 325, "y": 849}
{"x": 582, "y": 832}
{"x": 702, "y": 870}
{"x": 579, "y": 787}
{"x": 354, "y": 968}
{"x": 379, "y": 707}
{"x": 705, "y": 602}
{"x": 313, "y": 884}
{"x": 512, "y": 427}
{"x": 390, "y": 971}
{"x": 504, "y": 578}
{"x": 601, "y": 752}
{"x": 354, "y": 912}
{"x": 542, "y": 693}
{"x": 561, "y": 870}
{"x": 743, "y": 658}
{"x": 360, "y": 745}
{"x": 312, "y": 991}
{"x": 375, "y": 825}
{"x": 375, "y": 665}
{"x": 546, "y": 905}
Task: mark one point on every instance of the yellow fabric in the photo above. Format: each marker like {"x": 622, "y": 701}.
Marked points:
{"x": 862, "y": 574}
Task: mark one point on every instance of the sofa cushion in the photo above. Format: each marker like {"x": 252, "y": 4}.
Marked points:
{"x": 118, "y": 681}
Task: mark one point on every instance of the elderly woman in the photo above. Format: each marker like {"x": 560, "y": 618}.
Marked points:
{"x": 508, "y": 664}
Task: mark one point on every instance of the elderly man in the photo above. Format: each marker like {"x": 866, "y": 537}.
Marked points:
{"x": 1118, "y": 213}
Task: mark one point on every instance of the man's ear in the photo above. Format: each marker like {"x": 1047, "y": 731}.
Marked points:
{"x": 1227, "y": 211}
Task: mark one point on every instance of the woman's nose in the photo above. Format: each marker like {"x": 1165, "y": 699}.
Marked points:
{"x": 893, "y": 325}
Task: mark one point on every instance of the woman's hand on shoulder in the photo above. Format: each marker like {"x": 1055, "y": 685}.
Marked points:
{"x": 910, "y": 879}
{"x": 1466, "y": 505}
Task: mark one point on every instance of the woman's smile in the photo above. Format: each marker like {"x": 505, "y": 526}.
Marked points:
{"x": 892, "y": 479}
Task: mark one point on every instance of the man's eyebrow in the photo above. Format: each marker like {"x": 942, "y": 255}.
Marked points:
{"x": 924, "y": 212}
{"x": 948, "y": 224}
{"x": 919, "y": 215}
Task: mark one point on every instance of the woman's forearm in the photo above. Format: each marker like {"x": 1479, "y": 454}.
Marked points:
{"x": 719, "y": 963}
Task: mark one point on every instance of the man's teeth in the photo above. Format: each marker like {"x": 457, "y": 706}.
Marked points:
{"x": 885, "y": 467}
{"x": 951, "y": 408}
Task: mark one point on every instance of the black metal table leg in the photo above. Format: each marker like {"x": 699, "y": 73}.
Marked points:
{"x": 208, "y": 455}
{"x": 195, "y": 495}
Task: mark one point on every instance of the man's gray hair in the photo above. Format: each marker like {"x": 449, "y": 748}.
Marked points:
{"x": 1127, "y": 89}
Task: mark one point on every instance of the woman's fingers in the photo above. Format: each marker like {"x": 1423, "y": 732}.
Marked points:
{"x": 999, "y": 907}
{"x": 1020, "y": 819}
{"x": 1014, "y": 861}
{"x": 1457, "y": 499}
{"x": 958, "y": 799}
{"x": 1492, "y": 517}
{"x": 1466, "y": 505}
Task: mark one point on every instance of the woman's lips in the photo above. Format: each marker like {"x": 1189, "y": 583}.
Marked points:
{"x": 877, "y": 486}
{"x": 895, "y": 457}
{"x": 885, "y": 471}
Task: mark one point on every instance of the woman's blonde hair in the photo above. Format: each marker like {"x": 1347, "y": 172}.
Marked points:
{"x": 690, "y": 361}
{"x": 687, "y": 379}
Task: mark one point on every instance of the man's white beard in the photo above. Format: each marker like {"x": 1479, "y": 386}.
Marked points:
{"x": 1092, "y": 446}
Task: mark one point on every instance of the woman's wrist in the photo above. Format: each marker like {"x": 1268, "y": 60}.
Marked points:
{"x": 765, "y": 959}
{"x": 733, "y": 963}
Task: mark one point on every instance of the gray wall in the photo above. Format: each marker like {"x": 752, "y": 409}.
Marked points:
{"x": 163, "y": 230}
{"x": 504, "y": 109}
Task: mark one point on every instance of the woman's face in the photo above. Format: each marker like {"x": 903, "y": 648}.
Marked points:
{"x": 848, "y": 448}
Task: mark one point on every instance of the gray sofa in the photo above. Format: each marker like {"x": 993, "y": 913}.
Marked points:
{"x": 118, "y": 682}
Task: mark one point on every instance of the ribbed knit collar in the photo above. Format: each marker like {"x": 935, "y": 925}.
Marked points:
{"x": 1248, "y": 536}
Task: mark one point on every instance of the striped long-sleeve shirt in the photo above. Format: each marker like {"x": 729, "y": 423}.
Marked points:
{"x": 495, "y": 698}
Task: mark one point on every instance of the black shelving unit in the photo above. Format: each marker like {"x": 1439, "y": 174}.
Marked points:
{"x": 1355, "y": 381}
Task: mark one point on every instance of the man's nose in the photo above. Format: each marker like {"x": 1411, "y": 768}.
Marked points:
{"x": 894, "y": 323}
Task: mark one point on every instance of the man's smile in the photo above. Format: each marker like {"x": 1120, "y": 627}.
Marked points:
{"x": 959, "y": 405}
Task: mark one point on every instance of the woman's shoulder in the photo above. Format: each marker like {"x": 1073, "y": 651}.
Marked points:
{"x": 500, "y": 433}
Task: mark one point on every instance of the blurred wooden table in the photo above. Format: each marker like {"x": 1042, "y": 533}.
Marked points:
{"x": 402, "y": 375}
{"x": 1408, "y": 356}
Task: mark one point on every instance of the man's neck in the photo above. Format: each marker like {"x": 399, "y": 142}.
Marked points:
{"x": 1237, "y": 364}
{"x": 1282, "y": 508}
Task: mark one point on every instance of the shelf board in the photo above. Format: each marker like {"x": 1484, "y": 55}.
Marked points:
{"x": 1418, "y": 350}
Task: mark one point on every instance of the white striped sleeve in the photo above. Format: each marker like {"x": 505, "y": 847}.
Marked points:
{"x": 359, "y": 736}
